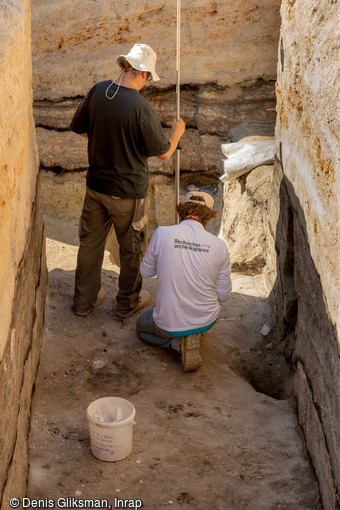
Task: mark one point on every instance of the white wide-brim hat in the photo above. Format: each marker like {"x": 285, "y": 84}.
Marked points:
{"x": 142, "y": 58}
{"x": 206, "y": 199}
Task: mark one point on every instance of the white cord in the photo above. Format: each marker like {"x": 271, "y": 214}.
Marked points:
{"x": 120, "y": 76}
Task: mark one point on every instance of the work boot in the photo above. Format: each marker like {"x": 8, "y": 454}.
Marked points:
{"x": 144, "y": 300}
{"x": 191, "y": 357}
{"x": 99, "y": 300}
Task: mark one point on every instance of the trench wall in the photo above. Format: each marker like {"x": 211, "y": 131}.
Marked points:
{"x": 75, "y": 44}
{"x": 229, "y": 57}
{"x": 223, "y": 98}
{"x": 303, "y": 229}
{"x": 23, "y": 276}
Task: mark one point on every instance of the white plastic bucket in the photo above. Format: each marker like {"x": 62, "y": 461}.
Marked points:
{"x": 111, "y": 421}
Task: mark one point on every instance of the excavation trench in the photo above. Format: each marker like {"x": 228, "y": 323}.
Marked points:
{"x": 223, "y": 437}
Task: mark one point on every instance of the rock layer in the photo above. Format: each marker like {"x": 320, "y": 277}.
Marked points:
{"x": 304, "y": 227}
{"x": 18, "y": 368}
{"x": 212, "y": 115}
{"x": 22, "y": 270}
{"x": 244, "y": 217}
{"x": 222, "y": 99}
{"x": 76, "y": 44}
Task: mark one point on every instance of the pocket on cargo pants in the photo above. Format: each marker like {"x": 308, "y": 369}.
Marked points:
{"x": 139, "y": 226}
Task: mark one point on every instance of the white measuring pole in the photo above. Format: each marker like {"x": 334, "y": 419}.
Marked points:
{"x": 178, "y": 72}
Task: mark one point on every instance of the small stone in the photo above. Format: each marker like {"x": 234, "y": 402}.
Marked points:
{"x": 265, "y": 329}
{"x": 98, "y": 363}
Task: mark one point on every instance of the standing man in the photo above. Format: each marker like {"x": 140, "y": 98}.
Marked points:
{"x": 123, "y": 131}
{"x": 193, "y": 276}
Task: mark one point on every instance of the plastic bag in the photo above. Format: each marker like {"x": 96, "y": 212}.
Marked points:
{"x": 108, "y": 414}
{"x": 242, "y": 157}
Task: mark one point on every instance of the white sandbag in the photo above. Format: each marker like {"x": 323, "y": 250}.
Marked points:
{"x": 245, "y": 156}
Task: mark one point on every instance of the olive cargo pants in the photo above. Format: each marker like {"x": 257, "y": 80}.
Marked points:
{"x": 128, "y": 217}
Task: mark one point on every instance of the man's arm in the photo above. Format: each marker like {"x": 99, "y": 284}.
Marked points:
{"x": 223, "y": 284}
{"x": 178, "y": 128}
{"x": 148, "y": 267}
{"x": 80, "y": 121}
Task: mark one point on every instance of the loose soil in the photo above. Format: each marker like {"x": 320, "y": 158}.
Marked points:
{"x": 206, "y": 439}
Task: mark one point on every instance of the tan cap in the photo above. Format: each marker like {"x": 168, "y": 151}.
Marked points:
{"x": 142, "y": 58}
{"x": 207, "y": 199}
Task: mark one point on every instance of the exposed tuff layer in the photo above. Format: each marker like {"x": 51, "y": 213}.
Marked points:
{"x": 22, "y": 250}
{"x": 304, "y": 228}
{"x": 76, "y": 44}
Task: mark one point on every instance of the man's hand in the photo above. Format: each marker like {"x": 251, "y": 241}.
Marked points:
{"x": 178, "y": 128}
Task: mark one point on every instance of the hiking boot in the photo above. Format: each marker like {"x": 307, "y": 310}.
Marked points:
{"x": 144, "y": 300}
{"x": 99, "y": 300}
{"x": 191, "y": 357}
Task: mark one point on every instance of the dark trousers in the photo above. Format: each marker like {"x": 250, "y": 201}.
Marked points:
{"x": 128, "y": 217}
{"x": 149, "y": 332}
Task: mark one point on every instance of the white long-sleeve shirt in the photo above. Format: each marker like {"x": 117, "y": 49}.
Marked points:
{"x": 193, "y": 275}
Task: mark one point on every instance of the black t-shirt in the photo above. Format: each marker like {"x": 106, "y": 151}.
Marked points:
{"x": 122, "y": 134}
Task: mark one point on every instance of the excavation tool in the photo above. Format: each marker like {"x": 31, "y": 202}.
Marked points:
{"x": 178, "y": 150}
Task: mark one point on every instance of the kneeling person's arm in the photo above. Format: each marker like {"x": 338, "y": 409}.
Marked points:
{"x": 148, "y": 267}
{"x": 224, "y": 285}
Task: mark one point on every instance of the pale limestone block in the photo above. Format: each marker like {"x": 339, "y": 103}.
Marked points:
{"x": 77, "y": 44}
{"x": 308, "y": 129}
{"x": 23, "y": 277}
{"x": 18, "y": 156}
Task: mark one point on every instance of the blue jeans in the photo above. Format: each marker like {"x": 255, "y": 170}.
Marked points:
{"x": 148, "y": 331}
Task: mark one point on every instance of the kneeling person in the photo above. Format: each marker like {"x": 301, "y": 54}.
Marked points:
{"x": 193, "y": 276}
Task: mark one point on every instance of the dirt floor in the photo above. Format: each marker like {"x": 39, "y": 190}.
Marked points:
{"x": 203, "y": 440}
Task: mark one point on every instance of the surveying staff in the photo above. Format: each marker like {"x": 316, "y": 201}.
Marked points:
{"x": 123, "y": 131}
{"x": 193, "y": 276}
